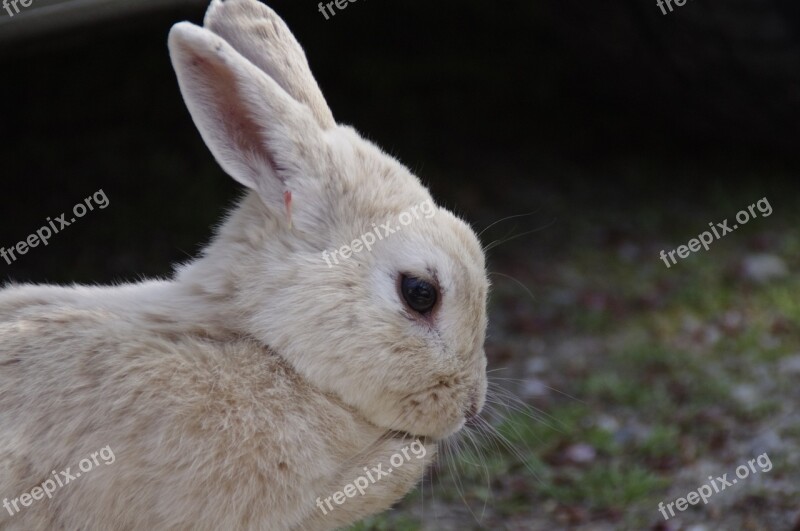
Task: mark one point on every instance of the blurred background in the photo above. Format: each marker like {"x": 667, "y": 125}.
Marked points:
{"x": 582, "y": 138}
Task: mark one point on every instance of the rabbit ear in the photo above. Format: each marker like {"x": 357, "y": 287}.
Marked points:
{"x": 259, "y": 134}
{"x": 262, "y": 37}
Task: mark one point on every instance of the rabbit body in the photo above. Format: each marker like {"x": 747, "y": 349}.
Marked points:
{"x": 259, "y": 380}
{"x": 209, "y": 430}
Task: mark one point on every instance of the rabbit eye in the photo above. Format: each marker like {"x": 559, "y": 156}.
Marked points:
{"x": 419, "y": 295}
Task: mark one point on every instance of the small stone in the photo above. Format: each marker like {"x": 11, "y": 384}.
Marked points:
{"x": 790, "y": 365}
{"x": 763, "y": 267}
{"x": 536, "y": 365}
{"x": 580, "y": 453}
{"x": 746, "y": 394}
{"x": 607, "y": 423}
{"x": 767, "y": 441}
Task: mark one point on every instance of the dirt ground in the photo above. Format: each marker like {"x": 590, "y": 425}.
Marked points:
{"x": 620, "y": 383}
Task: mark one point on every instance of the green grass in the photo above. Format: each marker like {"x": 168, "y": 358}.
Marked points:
{"x": 604, "y": 486}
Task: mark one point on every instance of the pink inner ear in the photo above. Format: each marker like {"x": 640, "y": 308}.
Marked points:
{"x": 224, "y": 95}
{"x": 287, "y": 201}
{"x": 233, "y": 123}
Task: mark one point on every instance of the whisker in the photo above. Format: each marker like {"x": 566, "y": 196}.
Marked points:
{"x": 497, "y": 243}
{"x": 514, "y": 216}
{"x": 509, "y": 277}
{"x": 519, "y": 380}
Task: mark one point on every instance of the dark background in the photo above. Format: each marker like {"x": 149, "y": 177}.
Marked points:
{"x": 568, "y": 105}
{"x": 615, "y": 130}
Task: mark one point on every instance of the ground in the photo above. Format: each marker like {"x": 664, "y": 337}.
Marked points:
{"x": 625, "y": 383}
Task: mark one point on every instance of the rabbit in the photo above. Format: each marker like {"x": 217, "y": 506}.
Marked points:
{"x": 260, "y": 379}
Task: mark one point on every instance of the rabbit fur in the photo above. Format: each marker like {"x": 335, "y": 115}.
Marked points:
{"x": 257, "y": 379}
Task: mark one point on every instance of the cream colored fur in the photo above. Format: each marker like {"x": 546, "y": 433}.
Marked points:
{"x": 258, "y": 378}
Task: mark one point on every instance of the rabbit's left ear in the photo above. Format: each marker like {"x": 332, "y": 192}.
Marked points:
{"x": 261, "y": 36}
{"x": 261, "y": 136}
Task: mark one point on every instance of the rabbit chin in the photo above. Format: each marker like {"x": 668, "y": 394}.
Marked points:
{"x": 457, "y": 428}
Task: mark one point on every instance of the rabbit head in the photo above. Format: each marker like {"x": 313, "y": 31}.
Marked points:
{"x": 393, "y": 328}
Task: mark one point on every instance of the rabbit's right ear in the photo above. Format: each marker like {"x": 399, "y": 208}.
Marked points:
{"x": 259, "y": 134}
{"x": 261, "y": 36}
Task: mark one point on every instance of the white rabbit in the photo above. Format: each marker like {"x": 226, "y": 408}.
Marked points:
{"x": 259, "y": 380}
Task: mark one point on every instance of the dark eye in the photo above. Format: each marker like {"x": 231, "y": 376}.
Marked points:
{"x": 418, "y": 294}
